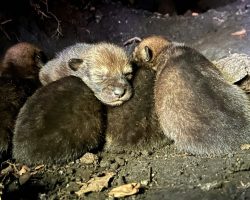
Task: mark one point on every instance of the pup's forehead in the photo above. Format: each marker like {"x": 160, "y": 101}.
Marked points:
{"x": 156, "y": 43}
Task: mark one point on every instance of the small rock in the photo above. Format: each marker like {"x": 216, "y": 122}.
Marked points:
{"x": 230, "y": 155}
{"x": 69, "y": 171}
{"x": 120, "y": 180}
{"x": 145, "y": 182}
{"x": 245, "y": 146}
{"x": 145, "y": 153}
{"x": 114, "y": 166}
{"x": 245, "y": 166}
{"x": 42, "y": 196}
{"x": 120, "y": 161}
{"x": 89, "y": 158}
{"x": 105, "y": 163}
{"x": 212, "y": 185}
{"x": 61, "y": 172}
{"x": 135, "y": 154}
{"x": 83, "y": 174}
{"x": 73, "y": 187}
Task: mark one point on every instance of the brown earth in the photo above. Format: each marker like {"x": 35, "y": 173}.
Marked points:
{"x": 165, "y": 173}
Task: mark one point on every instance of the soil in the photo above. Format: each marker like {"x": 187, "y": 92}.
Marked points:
{"x": 164, "y": 172}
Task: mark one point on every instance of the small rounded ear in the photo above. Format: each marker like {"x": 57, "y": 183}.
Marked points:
{"x": 40, "y": 58}
{"x": 74, "y": 63}
{"x": 148, "y": 54}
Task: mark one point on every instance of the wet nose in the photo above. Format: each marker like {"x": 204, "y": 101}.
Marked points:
{"x": 119, "y": 92}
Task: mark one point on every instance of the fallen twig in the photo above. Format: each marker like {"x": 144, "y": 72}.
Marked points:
{"x": 48, "y": 14}
{"x": 3, "y": 30}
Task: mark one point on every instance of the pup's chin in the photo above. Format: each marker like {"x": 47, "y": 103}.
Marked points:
{"x": 112, "y": 103}
{"x": 115, "y": 103}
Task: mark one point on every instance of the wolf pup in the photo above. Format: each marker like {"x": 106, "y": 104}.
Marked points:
{"x": 103, "y": 67}
{"x": 195, "y": 106}
{"x": 58, "y": 123}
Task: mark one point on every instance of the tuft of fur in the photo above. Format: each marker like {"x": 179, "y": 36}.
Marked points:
{"x": 22, "y": 60}
{"x": 57, "y": 124}
{"x": 19, "y": 80}
{"x": 134, "y": 124}
{"x": 195, "y": 106}
{"x": 102, "y": 66}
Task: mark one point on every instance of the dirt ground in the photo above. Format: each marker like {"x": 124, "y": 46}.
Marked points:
{"x": 164, "y": 173}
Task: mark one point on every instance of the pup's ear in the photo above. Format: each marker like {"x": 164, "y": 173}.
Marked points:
{"x": 148, "y": 54}
{"x": 74, "y": 63}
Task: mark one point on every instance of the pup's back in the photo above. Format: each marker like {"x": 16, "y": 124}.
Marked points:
{"x": 196, "y": 106}
{"x": 134, "y": 124}
{"x": 19, "y": 79}
{"x": 59, "y": 123}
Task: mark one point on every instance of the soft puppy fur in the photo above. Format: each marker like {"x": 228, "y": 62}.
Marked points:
{"x": 19, "y": 79}
{"x": 195, "y": 106}
{"x": 57, "y": 124}
{"x": 134, "y": 125}
{"x": 103, "y": 67}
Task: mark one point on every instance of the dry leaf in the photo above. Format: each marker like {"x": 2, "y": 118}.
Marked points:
{"x": 89, "y": 158}
{"x": 245, "y": 147}
{"x": 125, "y": 190}
{"x": 241, "y": 33}
{"x": 23, "y": 170}
{"x": 96, "y": 184}
{"x": 24, "y": 178}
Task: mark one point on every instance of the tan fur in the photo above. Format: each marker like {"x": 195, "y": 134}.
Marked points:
{"x": 196, "y": 107}
{"x": 156, "y": 43}
{"x": 110, "y": 57}
{"x": 104, "y": 69}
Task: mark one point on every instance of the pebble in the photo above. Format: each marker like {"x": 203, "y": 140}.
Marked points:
{"x": 212, "y": 185}
{"x": 89, "y": 158}
{"x": 120, "y": 180}
{"x": 73, "y": 187}
{"x": 120, "y": 161}
{"x": 114, "y": 166}
{"x": 145, "y": 182}
{"x": 146, "y": 153}
{"x": 83, "y": 174}
{"x": 105, "y": 163}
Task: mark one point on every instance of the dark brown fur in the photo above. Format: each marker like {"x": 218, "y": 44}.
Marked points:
{"x": 134, "y": 124}
{"x": 59, "y": 123}
{"x": 196, "y": 107}
{"x": 13, "y": 93}
{"x": 22, "y": 60}
{"x": 18, "y": 81}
